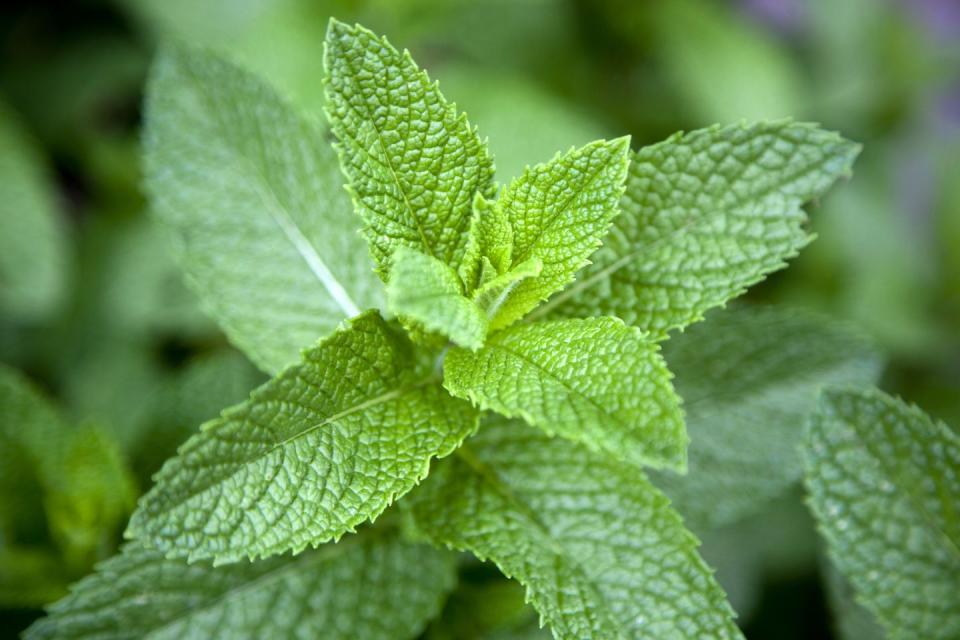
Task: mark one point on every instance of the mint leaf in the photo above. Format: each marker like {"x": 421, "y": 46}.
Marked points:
{"x": 490, "y": 237}
{"x": 495, "y": 290}
{"x": 596, "y": 381}
{"x": 427, "y": 290}
{"x": 30, "y": 576}
{"x": 559, "y": 212}
{"x": 749, "y": 379}
{"x": 33, "y": 247}
{"x": 371, "y": 587}
{"x": 251, "y": 194}
{"x": 413, "y": 163}
{"x": 706, "y": 214}
{"x": 76, "y": 475}
{"x": 599, "y": 549}
{"x": 321, "y": 448}
{"x": 884, "y": 484}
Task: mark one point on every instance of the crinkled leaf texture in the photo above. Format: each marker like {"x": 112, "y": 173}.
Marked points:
{"x": 252, "y": 195}
{"x": 413, "y": 163}
{"x": 33, "y": 247}
{"x": 749, "y": 378}
{"x": 705, "y": 215}
{"x": 596, "y": 381}
{"x": 430, "y": 292}
{"x": 321, "y": 448}
{"x": 601, "y": 552}
{"x": 373, "y": 586}
{"x": 884, "y": 484}
{"x": 559, "y": 213}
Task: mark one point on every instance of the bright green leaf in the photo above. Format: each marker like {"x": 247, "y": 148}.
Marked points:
{"x": 599, "y": 549}
{"x": 706, "y": 214}
{"x": 495, "y": 290}
{"x": 324, "y": 446}
{"x": 884, "y": 484}
{"x": 559, "y": 212}
{"x": 596, "y": 381}
{"x": 425, "y": 289}
{"x": 32, "y": 238}
{"x": 373, "y": 587}
{"x": 251, "y": 193}
{"x": 490, "y": 237}
{"x": 749, "y": 379}
{"x": 413, "y": 163}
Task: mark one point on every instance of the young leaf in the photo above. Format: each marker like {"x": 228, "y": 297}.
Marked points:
{"x": 413, "y": 163}
{"x": 490, "y": 237}
{"x": 596, "y": 381}
{"x": 427, "y": 290}
{"x": 884, "y": 484}
{"x": 599, "y": 549}
{"x": 559, "y": 212}
{"x": 321, "y": 448}
{"x": 495, "y": 290}
{"x": 749, "y": 379}
{"x": 372, "y": 586}
{"x": 252, "y": 194}
{"x": 76, "y": 474}
{"x": 705, "y": 215}
{"x": 32, "y": 240}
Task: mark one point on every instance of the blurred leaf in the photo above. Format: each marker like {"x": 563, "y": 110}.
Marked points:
{"x": 190, "y": 397}
{"x": 749, "y": 379}
{"x": 883, "y": 480}
{"x": 725, "y": 69}
{"x": 252, "y": 197}
{"x": 87, "y": 491}
{"x": 850, "y": 620}
{"x": 88, "y": 497}
{"x": 523, "y": 124}
{"x": 282, "y": 40}
{"x": 32, "y": 235}
{"x": 492, "y": 610}
{"x": 30, "y": 576}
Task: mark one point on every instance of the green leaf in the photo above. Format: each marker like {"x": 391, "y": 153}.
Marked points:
{"x": 413, "y": 163}
{"x": 559, "y": 212}
{"x": 596, "y": 381}
{"x": 884, "y": 484}
{"x": 75, "y": 474}
{"x": 490, "y": 237}
{"x": 321, "y": 448}
{"x": 371, "y": 587}
{"x": 706, "y": 214}
{"x": 599, "y": 549}
{"x": 495, "y": 290}
{"x": 749, "y": 378}
{"x": 427, "y": 290}
{"x": 30, "y": 576}
{"x": 32, "y": 239}
{"x": 251, "y": 194}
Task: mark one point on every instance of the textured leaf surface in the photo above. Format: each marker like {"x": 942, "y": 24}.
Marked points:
{"x": 749, "y": 379}
{"x": 371, "y": 587}
{"x": 884, "y": 484}
{"x": 324, "y": 446}
{"x": 32, "y": 241}
{"x": 429, "y": 291}
{"x": 706, "y": 214}
{"x": 599, "y": 549}
{"x": 559, "y": 212}
{"x": 596, "y": 381}
{"x": 413, "y": 163}
{"x": 253, "y": 196}
{"x": 490, "y": 237}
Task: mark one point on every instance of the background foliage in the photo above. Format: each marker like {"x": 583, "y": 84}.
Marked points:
{"x": 106, "y": 328}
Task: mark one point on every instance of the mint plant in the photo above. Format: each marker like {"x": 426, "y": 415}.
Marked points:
{"x": 501, "y": 349}
{"x": 884, "y": 484}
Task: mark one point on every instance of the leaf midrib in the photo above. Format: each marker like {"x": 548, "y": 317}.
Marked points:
{"x": 275, "y": 209}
